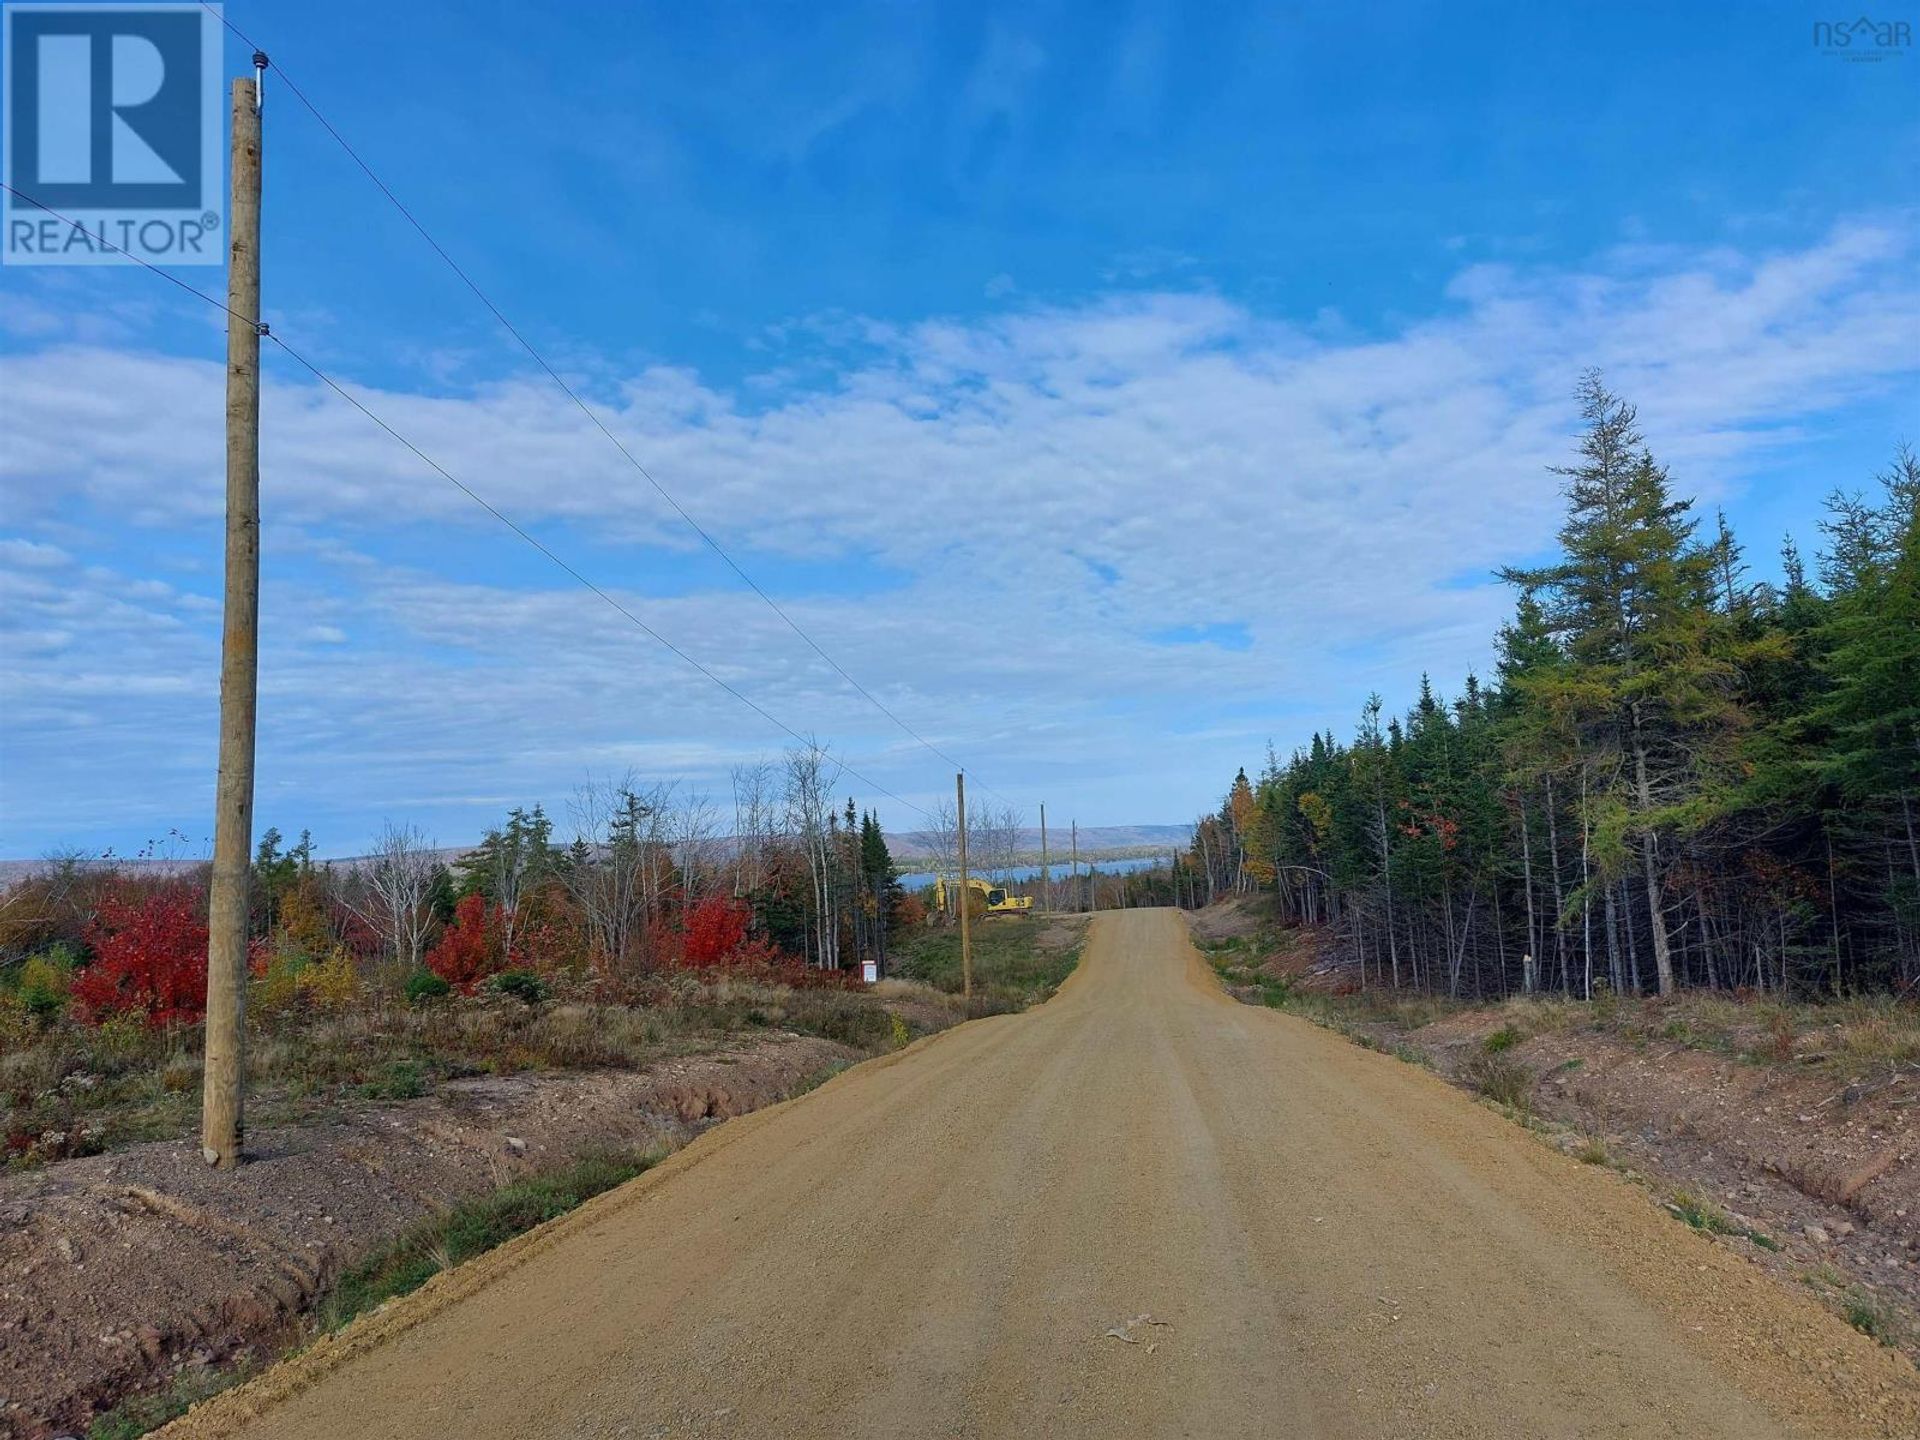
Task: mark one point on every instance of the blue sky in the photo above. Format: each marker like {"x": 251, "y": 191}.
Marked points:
{"x": 1110, "y": 388}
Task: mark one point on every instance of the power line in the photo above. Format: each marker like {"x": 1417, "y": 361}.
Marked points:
{"x": 565, "y": 566}
{"x": 559, "y": 561}
{"x": 588, "y": 410}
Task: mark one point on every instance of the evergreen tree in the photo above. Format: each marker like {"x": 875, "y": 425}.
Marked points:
{"x": 507, "y": 869}
{"x": 1869, "y": 718}
{"x": 1630, "y": 603}
{"x": 1673, "y": 764}
{"x": 880, "y": 883}
{"x": 274, "y": 874}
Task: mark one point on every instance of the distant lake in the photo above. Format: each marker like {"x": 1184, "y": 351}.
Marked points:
{"x": 923, "y": 879}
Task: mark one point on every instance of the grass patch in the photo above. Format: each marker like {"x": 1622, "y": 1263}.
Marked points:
{"x": 1238, "y": 968}
{"x": 1544, "y": 1014}
{"x": 1385, "y": 1007}
{"x": 1701, "y": 1216}
{"x": 1873, "y": 1316}
{"x": 69, "y": 1089}
{"x": 1276, "y": 992}
{"x": 1868, "y": 1312}
{"x": 1709, "y": 1219}
{"x": 1237, "y": 950}
{"x": 140, "y": 1414}
{"x": 398, "y": 1080}
{"x": 1241, "y": 962}
{"x": 472, "y": 1229}
{"x": 1018, "y": 960}
{"x": 1847, "y": 1039}
{"x": 1501, "y": 1078}
{"x": 1505, "y": 1038}
{"x": 1824, "y": 1275}
{"x": 1843, "y": 1038}
{"x": 1877, "y": 1033}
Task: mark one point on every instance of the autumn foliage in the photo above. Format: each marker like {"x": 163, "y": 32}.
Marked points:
{"x": 469, "y": 948}
{"x": 607, "y": 919}
{"x": 716, "y": 928}
{"x": 150, "y": 955}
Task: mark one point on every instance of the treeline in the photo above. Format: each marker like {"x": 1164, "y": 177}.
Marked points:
{"x": 1092, "y": 889}
{"x": 642, "y": 881}
{"x": 1677, "y": 777}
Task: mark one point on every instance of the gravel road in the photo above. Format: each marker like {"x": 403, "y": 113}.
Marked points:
{"x": 1142, "y": 1209}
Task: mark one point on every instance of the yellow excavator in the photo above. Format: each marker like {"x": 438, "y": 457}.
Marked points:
{"x": 994, "y": 899}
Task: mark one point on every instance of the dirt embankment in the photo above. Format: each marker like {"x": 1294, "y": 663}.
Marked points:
{"x": 1825, "y": 1168}
{"x": 1802, "y": 1158}
{"x": 120, "y": 1271}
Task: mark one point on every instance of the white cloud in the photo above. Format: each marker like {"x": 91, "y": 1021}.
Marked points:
{"x": 32, "y": 555}
{"x": 1335, "y": 493}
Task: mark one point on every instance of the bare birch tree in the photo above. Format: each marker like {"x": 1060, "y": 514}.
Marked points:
{"x": 811, "y": 774}
{"x": 943, "y": 841}
{"x": 754, "y": 820}
{"x": 693, "y": 824}
{"x": 390, "y": 890}
{"x": 608, "y": 866}
{"x": 1000, "y": 836}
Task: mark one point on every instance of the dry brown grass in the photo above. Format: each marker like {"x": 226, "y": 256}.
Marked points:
{"x": 1878, "y": 1033}
{"x": 1501, "y": 1078}
{"x": 1851, "y": 1038}
{"x": 69, "y": 1088}
{"x": 1847, "y": 1038}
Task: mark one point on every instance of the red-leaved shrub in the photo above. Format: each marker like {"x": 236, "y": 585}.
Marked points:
{"x": 150, "y": 956}
{"x": 715, "y": 929}
{"x": 469, "y": 948}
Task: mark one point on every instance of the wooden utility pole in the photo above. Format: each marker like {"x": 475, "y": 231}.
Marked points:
{"x": 222, "y": 1124}
{"x": 1075, "y": 871}
{"x": 966, "y": 934}
{"x": 1046, "y": 871}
